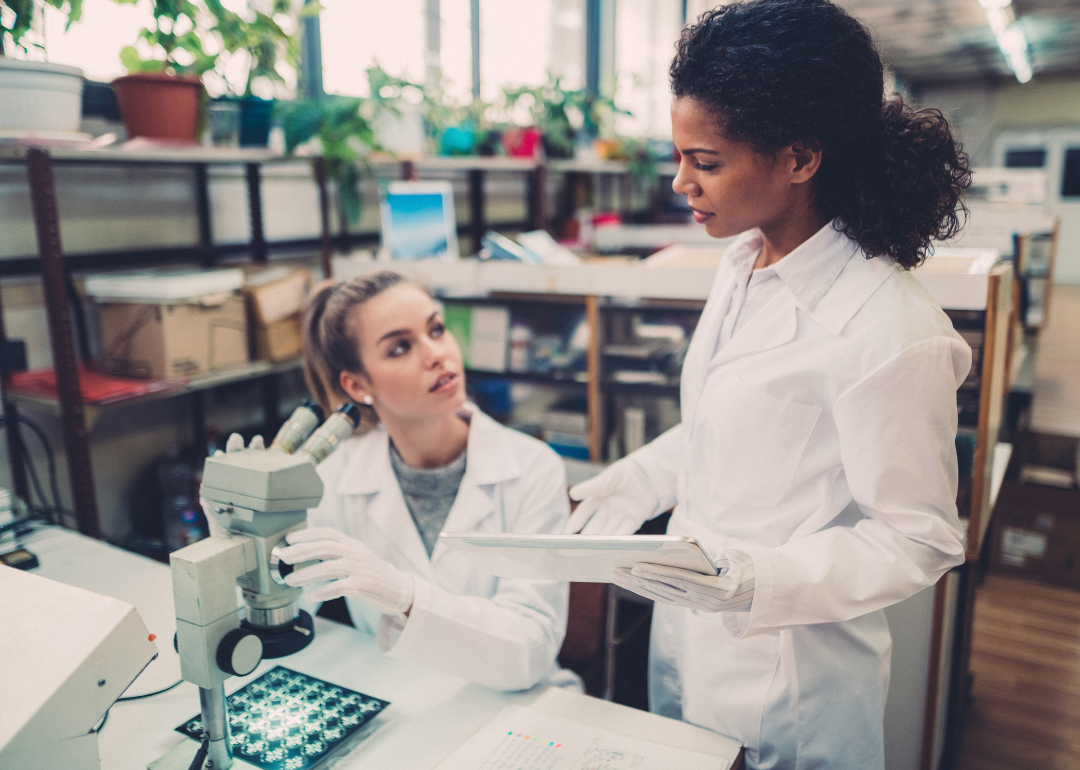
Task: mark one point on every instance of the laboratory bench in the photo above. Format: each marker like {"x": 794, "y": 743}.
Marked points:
{"x": 430, "y": 716}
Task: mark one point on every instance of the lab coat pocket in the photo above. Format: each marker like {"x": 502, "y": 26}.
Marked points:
{"x": 751, "y": 442}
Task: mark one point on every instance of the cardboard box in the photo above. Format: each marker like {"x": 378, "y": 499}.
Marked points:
{"x": 275, "y": 303}
{"x": 1037, "y": 525}
{"x": 174, "y": 339}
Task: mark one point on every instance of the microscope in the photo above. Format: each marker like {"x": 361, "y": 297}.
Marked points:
{"x": 258, "y": 496}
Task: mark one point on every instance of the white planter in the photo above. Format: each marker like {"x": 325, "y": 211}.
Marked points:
{"x": 38, "y": 96}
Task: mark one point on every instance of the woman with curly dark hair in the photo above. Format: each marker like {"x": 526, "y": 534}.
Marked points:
{"x": 815, "y": 462}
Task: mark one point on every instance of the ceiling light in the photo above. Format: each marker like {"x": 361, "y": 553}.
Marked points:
{"x": 1010, "y": 37}
{"x": 1012, "y": 41}
{"x": 1000, "y": 18}
{"x": 1020, "y": 67}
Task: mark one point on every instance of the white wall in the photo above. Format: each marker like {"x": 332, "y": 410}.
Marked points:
{"x": 985, "y": 113}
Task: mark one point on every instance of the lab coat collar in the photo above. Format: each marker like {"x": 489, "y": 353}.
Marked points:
{"x": 810, "y": 272}
{"x": 489, "y": 458}
{"x": 811, "y": 269}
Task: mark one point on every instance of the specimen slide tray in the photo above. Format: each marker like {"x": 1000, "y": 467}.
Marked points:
{"x": 285, "y": 720}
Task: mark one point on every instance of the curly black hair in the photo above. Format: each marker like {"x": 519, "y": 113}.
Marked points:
{"x": 775, "y": 72}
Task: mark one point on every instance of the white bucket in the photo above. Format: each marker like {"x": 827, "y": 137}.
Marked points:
{"x": 39, "y": 96}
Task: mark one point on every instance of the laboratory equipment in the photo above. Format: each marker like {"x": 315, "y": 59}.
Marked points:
{"x": 257, "y": 496}
{"x": 285, "y": 720}
{"x": 68, "y": 654}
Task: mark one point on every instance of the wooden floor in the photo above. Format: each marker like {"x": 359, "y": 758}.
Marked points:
{"x": 1026, "y": 639}
{"x": 1026, "y": 695}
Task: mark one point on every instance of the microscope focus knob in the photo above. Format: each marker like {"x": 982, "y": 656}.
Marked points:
{"x": 239, "y": 652}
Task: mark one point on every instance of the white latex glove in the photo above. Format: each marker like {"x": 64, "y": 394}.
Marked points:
{"x": 234, "y": 443}
{"x": 617, "y": 502}
{"x": 353, "y": 569}
{"x": 730, "y": 591}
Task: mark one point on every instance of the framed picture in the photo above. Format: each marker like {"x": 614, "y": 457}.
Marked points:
{"x": 418, "y": 221}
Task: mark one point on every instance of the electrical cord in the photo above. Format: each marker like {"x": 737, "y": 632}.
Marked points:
{"x": 200, "y": 755}
{"x": 100, "y": 725}
{"x": 53, "y": 509}
{"x": 155, "y": 692}
{"x": 50, "y": 458}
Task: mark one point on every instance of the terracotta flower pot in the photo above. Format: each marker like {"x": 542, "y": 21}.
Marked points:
{"x": 156, "y": 105}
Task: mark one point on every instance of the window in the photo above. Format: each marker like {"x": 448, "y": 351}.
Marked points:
{"x": 521, "y": 42}
{"x": 359, "y": 33}
{"x": 455, "y": 49}
{"x": 1025, "y": 157}
{"x": 1070, "y": 178}
{"x": 94, "y": 43}
{"x": 645, "y": 36}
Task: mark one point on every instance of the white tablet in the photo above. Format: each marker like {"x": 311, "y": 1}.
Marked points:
{"x": 577, "y": 558}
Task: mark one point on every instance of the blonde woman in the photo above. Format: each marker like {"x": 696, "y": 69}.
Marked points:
{"x": 432, "y": 461}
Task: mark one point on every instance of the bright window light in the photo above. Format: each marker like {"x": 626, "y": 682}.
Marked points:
{"x": 515, "y": 45}
{"x": 359, "y": 33}
{"x": 645, "y": 35}
{"x": 455, "y": 49}
{"x": 94, "y": 42}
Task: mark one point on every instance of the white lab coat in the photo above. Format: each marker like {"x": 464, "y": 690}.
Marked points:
{"x": 820, "y": 440}
{"x": 501, "y": 633}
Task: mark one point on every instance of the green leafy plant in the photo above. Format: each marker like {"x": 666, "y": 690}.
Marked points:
{"x": 559, "y": 112}
{"x": 641, "y": 160}
{"x": 21, "y": 15}
{"x": 344, "y": 128}
{"x": 268, "y": 39}
{"x": 174, "y": 43}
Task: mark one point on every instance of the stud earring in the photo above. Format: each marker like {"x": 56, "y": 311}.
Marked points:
{"x": 368, "y": 401}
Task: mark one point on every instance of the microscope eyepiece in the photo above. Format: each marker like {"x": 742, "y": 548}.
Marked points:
{"x": 298, "y": 427}
{"x": 338, "y": 427}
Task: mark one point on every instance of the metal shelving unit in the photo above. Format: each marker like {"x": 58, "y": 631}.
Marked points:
{"x": 54, "y": 265}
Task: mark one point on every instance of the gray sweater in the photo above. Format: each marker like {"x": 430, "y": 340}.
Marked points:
{"x": 429, "y": 494}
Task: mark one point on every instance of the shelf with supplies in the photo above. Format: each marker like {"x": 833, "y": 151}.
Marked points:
{"x": 68, "y": 339}
{"x": 38, "y": 400}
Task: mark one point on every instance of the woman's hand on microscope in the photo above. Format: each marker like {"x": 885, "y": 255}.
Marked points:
{"x": 352, "y": 568}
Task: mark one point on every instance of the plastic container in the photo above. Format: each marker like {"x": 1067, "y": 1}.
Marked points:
{"x": 38, "y": 96}
{"x": 255, "y": 117}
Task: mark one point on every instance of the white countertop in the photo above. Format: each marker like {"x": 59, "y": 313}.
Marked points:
{"x": 430, "y": 715}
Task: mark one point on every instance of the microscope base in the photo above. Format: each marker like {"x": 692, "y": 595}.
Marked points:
{"x": 280, "y": 641}
{"x": 180, "y": 756}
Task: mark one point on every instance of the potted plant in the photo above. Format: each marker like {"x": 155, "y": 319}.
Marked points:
{"x": 160, "y": 97}
{"x": 558, "y": 113}
{"x": 350, "y": 129}
{"x": 344, "y": 127}
{"x": 267, "y": 40}
{"x": 35, "y": 95}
